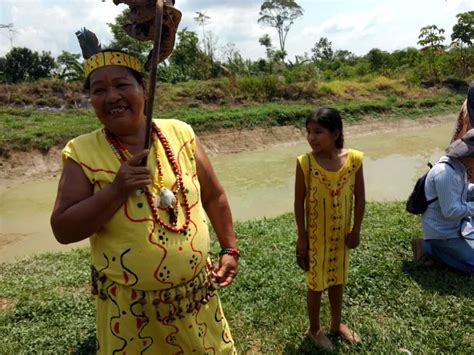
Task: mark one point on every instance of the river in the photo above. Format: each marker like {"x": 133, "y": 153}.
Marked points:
{"x": 258, "y": 183}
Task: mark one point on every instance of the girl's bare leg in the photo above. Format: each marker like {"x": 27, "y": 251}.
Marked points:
{"x": 335, "y": 299}
{"x": 314, "y": 330}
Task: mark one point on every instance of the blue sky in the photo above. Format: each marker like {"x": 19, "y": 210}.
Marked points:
{"x": 358, "y": 26}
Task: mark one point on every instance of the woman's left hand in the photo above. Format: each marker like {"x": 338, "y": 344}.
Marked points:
{"x": 226, "y": 271}
{"x": 353, "y": 239}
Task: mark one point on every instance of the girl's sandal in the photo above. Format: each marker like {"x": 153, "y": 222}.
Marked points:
{"x": 320, "y": 340}
{"x": 347, "y": 334}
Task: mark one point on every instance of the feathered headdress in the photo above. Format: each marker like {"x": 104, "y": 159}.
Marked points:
{"x": 89, "y": 43}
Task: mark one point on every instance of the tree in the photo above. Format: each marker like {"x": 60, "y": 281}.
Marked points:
{"x": 188, "y": 59}
{"x": 345, "y": 56}
{"x": 21, "y": 64}
{"x": 431, "y": 38}
{"x": 2, "y": 69}
{"x": 463, "y": 31}
{"x": 406, "y": 58}
{"x": 266, "y": 41}
{"x": 69, "y": 67}
{"x": 281, "y": 15}
{"x": 378, "y": 59}
{"x": 202, "y": 20}
{"x": 11, "y": 31}
{"x": 123, "y": 41}
{"x": 322, "y": 50}
{"x": 463, "y": 34}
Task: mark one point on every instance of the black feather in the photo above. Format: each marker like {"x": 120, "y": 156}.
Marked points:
{"x": 89, "y": 43}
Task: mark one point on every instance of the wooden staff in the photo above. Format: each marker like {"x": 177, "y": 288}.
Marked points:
{"x": 153, "y": 72}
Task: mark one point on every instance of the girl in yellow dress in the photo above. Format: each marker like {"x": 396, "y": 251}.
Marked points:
{"x": 329, "y": 195}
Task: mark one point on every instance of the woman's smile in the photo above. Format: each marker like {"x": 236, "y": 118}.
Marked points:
{"x": 117, "y": 112}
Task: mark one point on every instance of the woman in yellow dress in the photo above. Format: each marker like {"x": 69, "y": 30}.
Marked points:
{"x": 147, "y": 226}
{"x": 329, "y": 195}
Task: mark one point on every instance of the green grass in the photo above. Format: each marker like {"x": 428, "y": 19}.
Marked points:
{"x": 389, "y": 300}
{"x": 26, "y": 130}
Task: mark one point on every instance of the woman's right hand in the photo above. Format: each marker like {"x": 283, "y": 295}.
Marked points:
{"x": 132, "y": 175}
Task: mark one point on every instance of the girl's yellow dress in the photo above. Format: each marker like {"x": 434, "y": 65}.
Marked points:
{"x": 152, "y": 285}
{"x": 329, "y": 208}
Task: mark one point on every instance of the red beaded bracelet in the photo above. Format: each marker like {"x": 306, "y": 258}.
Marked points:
{"x": 230, "y": 251}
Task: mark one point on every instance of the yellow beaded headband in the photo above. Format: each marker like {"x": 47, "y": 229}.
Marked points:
{"x": 103, "y": 59}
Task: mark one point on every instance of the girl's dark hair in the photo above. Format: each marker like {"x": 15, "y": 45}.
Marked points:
{"x": 330, "y": 119}
{"x": 139, "y": 77}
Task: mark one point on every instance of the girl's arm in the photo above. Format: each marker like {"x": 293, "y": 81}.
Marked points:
{"x": 353, "y": 238}
{"x": 217, "y": 207}
{"x": 299, "y": 206}
{"x": 78, "y": 212}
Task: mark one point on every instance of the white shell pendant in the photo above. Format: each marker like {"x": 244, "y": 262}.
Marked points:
{"x": 165, "y": 199}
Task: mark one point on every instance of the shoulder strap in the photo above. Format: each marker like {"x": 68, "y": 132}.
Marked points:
{"x": 440, "y": 162}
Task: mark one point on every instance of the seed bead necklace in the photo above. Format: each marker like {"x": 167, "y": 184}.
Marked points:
{"x": 165, "y": 198}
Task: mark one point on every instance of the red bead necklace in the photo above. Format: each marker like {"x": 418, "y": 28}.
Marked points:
{"x": 122, "y": 153}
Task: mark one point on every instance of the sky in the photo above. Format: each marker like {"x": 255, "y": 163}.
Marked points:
{"x": 357, "y": 26}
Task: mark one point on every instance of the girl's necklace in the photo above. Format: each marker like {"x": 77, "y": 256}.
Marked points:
{"x": 165, "y": 198}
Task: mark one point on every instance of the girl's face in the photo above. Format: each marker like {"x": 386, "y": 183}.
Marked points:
{"x": 118, "y": 99}
{"x": 319, "y": 138}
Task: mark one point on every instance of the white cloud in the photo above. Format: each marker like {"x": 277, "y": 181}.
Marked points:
{"x": 49, "y": 25}
{"x": 347, "y": 31}
{"x": 456, "y": 6}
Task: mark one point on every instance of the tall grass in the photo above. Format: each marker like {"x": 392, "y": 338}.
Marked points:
{"x": 393, "y": 303}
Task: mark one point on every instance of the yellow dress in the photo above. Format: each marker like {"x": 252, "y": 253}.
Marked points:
{"x": 151, "y": 284}
{"x": 329, "y": 209}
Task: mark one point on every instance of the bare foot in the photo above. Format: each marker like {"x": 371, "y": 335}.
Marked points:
{"x": 320, "y": 340}
{"x": 347, "y": 334}
{"x": 418, "y": 255}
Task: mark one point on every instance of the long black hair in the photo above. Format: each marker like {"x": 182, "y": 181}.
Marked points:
{"x": 330, "y": 119}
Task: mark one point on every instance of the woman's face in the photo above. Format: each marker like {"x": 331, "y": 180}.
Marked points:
{"x": 118, "y": 99}
{"x": 319, "y": 138}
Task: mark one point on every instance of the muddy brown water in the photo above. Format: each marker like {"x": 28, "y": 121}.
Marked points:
{"x": 258, "y": 183}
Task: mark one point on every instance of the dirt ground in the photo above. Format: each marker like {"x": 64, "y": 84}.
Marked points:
{"x": 30, "y": 164}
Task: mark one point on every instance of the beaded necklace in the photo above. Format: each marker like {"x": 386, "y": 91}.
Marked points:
{"x": 165, "y": 198}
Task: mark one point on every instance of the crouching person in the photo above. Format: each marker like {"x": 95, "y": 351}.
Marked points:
{"x": 448, "y": 222}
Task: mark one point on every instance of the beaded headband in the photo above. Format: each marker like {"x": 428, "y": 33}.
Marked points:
{"x": 104, "y": 59}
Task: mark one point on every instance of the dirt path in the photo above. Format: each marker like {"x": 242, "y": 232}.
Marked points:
{"x": 35, "y": 163}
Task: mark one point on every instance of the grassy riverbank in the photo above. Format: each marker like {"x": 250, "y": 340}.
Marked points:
{"x": 393, "y": 303}
{"x": 25, "y": 130}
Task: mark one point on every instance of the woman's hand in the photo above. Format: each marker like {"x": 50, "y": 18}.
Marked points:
{"x": 353, "y": 239}
{"x": 226, "y": 271}
{"x": 131, "y": 175}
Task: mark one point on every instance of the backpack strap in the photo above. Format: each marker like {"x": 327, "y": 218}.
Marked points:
{"x": 440, "y": 162}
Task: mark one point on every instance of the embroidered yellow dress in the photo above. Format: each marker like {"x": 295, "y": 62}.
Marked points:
{"x": 329, "y": 208}
{"x": 152, "y": 285}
